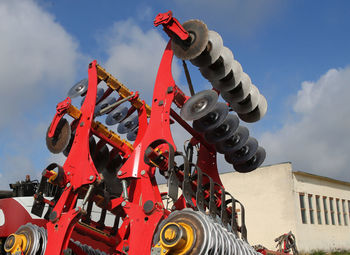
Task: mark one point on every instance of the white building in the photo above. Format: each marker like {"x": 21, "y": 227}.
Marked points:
{"x": 278, "y": 200}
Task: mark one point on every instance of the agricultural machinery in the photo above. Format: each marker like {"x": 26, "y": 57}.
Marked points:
{"x": 106, "y": 199}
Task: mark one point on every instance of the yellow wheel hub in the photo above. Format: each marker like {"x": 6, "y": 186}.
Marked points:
{"x": 176, "y": 238}
{"x": 15, "y": 243}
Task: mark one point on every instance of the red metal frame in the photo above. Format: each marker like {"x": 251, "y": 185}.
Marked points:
{"x": 80, "y": 174}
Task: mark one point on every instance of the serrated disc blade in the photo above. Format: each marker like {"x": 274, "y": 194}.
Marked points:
{"x": 60, "y": 140}
{"x": 258, "y": 113}
{"x": 212, "y": 119}
{"x": 128, "y": 124}
{"x": 220, "y": 68}
{"x": 212, "y": 52}
{"x": 117, "y": 115}
{"x": 240, "y": 92}
{"x": 131, "y": 136}
{"x": 234, "y": 142}
{"x": 79, "y": 89}
{"x": 243, "y": 154}
{"x": 231, "y": 80}
{"x": 252, "y": 163}
{"x": 199, "y": 105}
{"x": 249, "y": 103}
{"x": 223, "y": 131}
{"x": 198, "y": 32}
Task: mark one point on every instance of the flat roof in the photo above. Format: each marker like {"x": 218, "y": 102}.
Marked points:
{"x": 323, "y": 178}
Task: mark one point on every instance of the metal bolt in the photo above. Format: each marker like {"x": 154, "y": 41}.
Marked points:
{"x": 123, "y": 203}
{"x": 120, "y": 172}
{"x": 82, "y": 123}
{"x": 68, "y": 185}
{"x": 91, "y": 177}
{"x": 68, "y": 173}
{"x": 143, "y": 172}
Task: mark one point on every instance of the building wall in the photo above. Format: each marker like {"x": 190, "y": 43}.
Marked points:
{"x": 321, "y": 236}
{"x": 266, "y": 194}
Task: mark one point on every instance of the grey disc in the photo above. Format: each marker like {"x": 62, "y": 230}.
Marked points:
{"x": 198, "y": 32}
{"x": 99, "y": 95}
{"x": 104, "y": 103}
{"x": 252, "y": 163}
{"x": 234, "y": 142}
{"x": 212, "y": 52}
{"x": 117, "y": 115}
{"x": 128, "y": 124}
{"x": 257, "y": 113}
{"x": 220, "y": 68}
{"x": 212, "y": 119}
{"x": 199, "y": 105}
{"x": 131, "y": 136}
{"x": 240, "y": 92}
{"x": 224, "y": 130}
{"x": 249, "y": 103}
{"x": 79, "y": 89}
{"x": 101, "y": 158}
{"x": 231, "y": 80}
{"x": 61, "y": 137}
{"x": 243, "y": 154}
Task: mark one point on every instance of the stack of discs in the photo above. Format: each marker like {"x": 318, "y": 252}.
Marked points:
{"x": 217, "y": 64}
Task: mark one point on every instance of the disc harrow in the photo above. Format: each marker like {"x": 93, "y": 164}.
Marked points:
{"x": 118, "y": 175}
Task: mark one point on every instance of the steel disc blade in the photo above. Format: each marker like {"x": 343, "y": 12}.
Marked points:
{"x": 117, "y": 115}
{"x": 79, "y": 89}
{"x": 199, "y": 105}
{"x": 249, "y": 103}
{"x": 60, "y": 140}
{"x": 223, "y": 131}
{"x": 105, "y": 103}
{"x": 220, "y": 68}
{"x": 128, "y": 124}
{"x": 101, "y": 158}
{"x": 212, "y": 119}
{"x": 240, "y": 92}
{"x": 131, "y": 136}
{"x": 243, "y": 154}
{"x": 257, "y": 113}
{"x": 92, "y": 145}
{"x": 99, "y": 95}
{"x": 252, "y": 163}
{"x": 114, "y": 164}
{"x": 234, "y": 142}
{"x": 198, "y": 32}
{"x": 212, "y": 52}
{"x": 231, "y": 80}
{"x": 69, "y": 146}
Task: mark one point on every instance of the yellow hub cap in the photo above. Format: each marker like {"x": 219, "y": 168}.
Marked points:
{"x": 15, "y": 243}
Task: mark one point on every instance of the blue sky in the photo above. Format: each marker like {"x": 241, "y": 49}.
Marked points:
{"x": 296, "y": 53}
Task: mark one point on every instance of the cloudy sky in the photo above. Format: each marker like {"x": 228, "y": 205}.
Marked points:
{"x": 296, "y": 52}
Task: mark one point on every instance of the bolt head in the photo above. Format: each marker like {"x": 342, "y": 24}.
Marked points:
{"x": 91, "y": 177}
{"x": 143, "y": 172}
{"x": 68, "y": 185}
{"x": 120, "y": 172}
{"x": 123, "y": 203}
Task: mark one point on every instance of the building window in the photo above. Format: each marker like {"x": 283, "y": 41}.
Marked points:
{"x": 326, "y": 210}
{"x": 302, "y": 208}
{"x": 337, "y": 202}
{"x": 331, "y": 208}
{"x": 345, "y": 215}
{"x": 318, "y": 210}
{"x": 311, "y": 210}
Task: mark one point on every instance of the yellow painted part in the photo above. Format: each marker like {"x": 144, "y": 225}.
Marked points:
{"x": 19, "y": 244}
{"x": 53, "y": 177}
{"x": 99, "y": 127}
{"x": 116, "y": 85}
{"x": 181, "y": 246}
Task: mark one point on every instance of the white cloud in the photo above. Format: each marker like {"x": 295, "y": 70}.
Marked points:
{"x": 134, "y": 56}
{"x": 317, "y": 140}
{"x": 37, "y": 56}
